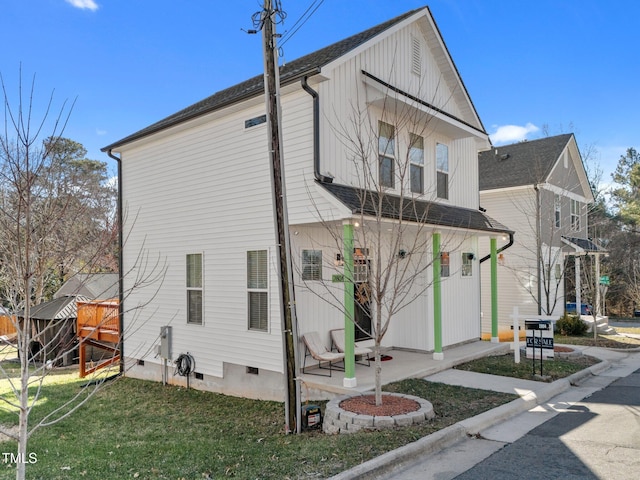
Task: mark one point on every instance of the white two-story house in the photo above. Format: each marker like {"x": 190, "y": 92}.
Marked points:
{"x": 383, "y": 113}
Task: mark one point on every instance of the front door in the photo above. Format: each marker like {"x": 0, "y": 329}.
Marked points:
{"x": 362, "y": 295}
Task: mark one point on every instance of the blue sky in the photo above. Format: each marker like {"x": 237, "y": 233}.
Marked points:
{"x": 529, "y": 66}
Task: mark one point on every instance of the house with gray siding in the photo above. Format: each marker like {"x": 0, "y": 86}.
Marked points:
{"x": 541, "y": 190}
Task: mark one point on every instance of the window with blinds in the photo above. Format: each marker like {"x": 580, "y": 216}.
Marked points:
{"x": 257, "y": 289}
{"x": 194, "y": 288}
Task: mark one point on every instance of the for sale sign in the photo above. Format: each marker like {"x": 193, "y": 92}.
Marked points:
{"x": 539, "y": 338}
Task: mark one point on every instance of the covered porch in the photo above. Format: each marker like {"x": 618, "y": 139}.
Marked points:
{"x": 402, "y": 364}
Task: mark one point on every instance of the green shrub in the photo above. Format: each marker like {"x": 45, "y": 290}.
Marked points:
{"x": 571, "y": 325}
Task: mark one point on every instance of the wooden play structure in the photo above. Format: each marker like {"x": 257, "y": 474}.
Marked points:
{"x": 98, "y": 326}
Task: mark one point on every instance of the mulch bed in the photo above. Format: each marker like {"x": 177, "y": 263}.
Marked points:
{"x": 391, "y": 405}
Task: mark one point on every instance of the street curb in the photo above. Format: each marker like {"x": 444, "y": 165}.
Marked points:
{"x": 401, "y": 457}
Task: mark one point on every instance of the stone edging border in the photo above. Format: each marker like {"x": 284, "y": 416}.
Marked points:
{"x": 337, "y": 420}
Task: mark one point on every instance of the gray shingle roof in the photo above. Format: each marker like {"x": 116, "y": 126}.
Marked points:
{"x": 289, "y": 73}
{"x": 585, "y": 244}
{"x": 366, "y": 202}
{"x": 62, "y": 308}
{"x": 524, "y": 163}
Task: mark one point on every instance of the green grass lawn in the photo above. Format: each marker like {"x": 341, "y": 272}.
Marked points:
{"x": 505, "y": 365}
{"x": 139, "y": 429}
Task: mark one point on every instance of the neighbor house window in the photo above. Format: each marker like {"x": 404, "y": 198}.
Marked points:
{"x": 557, "y": 206}
{"x": 416, "y": 157}
{"x": 252, "y": 122}
{"x": 194, "y": 288}
{"x": 467, "y": 264}
{"x": 311, "y": 264}
{"x": 386, "y": 154}
{"x": 442, "y": 170}
{"x": 575, "y": 215}
{"x": 257, "y": 288}
{"x": 444, "y": 264}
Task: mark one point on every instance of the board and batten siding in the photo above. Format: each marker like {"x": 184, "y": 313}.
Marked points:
{"x": 203, "y": 190}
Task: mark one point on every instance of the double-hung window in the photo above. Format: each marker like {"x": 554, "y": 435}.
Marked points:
{"x": 467, "y": 264}
{"x": 444, "y": 264}
{"x": 416, "y": 159}
{"x": 442, "y": 170}
{"x": 257, "y": 288}
{"x": 311, "y": 264}
{"x": 557, "y": 207}
{"x": 194, "y": 288}
{"x": 575, "y": 215}
{"x": 386, "y": 154}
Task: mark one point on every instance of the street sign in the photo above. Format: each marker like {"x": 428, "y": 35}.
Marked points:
{"x": 604, "y": 280}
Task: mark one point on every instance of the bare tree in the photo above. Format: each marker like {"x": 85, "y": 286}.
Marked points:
{"x": 47, "y": 211}
{"x": 394, "y": 217}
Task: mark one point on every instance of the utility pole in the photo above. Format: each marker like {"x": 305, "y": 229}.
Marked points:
{"x": 287, "y": 298}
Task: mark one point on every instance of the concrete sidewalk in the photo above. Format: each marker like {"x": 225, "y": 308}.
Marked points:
{"x": 447, "y": 453}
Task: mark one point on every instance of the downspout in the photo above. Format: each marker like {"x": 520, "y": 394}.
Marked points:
{"x": 120, "y": 263}
{"x": 538, "y": 248}
{"x": 316, "y": 132}
{"x": 499, "y": 250}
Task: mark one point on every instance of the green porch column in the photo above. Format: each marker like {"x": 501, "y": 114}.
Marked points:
{"x": 349, "y": 313}
{"x": 494, "y": 290}
{"x": 437, "y": 300}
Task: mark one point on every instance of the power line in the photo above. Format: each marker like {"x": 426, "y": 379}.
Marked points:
{"x": 287, "y": 36}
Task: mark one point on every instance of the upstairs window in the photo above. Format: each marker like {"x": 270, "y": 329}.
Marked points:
{"x": 557, "y": 207}
{"x": 386, "y": 154}
{"x": 194, "y": 288}
{"x": 257, "y": 288}
{"x": 311, "y": 264}
{"x": 444, "y": 264}
{"x": 416, "y": 158}
{"x": 442, "y": 170}
{"x": 467, "y": 264}
{"x": 575, "y": 215}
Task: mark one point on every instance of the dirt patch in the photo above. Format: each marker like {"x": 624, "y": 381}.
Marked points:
{"x": 12, "y": 430}
{"x": 560, "y": 349}
{"x": 391, "y": 405}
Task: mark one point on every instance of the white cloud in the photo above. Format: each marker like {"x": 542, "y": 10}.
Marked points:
{"x": 512, "y": 133}
{"x": 84, "y": 4}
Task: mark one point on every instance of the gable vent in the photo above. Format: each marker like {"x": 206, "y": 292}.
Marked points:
{"x": 416, "y": 57}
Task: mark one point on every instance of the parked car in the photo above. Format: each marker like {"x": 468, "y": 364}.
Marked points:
{"x": 585, "y": 308}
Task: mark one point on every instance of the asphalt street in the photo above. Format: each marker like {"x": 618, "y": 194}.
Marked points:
{"x": 591, "y": 431}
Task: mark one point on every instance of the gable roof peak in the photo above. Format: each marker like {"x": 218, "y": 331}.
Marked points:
{"x": 289, "y": 73}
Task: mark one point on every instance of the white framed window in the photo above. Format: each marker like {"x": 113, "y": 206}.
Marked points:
{"x": 416, "y": 159}
{"x": 386, "y": 154}
{"x": 467, "y": 264}
{"x": 575, "y": 215}
{"x": 442, "y": 170}
{"x": 258, "y": 289}
{"x": 311, "y": 264}
{"x": 444, "y": 264}
{"x": 194, "y": 282}
{"x": 557, "y": 208}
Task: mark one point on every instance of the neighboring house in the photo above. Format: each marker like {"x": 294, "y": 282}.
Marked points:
{"x": 541, "y": 190}
{"x": 90, "y": 285}
{"x": 199, "y": 200}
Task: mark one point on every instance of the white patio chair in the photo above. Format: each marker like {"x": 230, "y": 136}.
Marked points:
{"x": 317, "y": 350}
{"x": 338, "y": 341}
